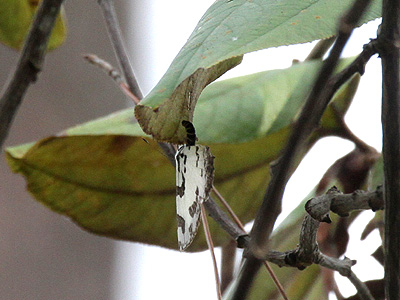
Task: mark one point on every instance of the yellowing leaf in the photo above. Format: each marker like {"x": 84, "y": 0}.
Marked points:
{"x": 106, "y": 178}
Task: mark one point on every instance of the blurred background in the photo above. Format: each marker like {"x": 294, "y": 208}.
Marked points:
{"x": 45, "y": 256}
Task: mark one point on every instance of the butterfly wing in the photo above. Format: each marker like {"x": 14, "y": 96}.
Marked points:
{"x": 194, "y": 177}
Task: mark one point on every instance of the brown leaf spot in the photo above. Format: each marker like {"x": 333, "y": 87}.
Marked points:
{"x": 120, "y": 144}
{"x": 33, "y": 2}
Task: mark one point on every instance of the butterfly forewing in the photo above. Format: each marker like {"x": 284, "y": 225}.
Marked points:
{"x": 194, "y": 177}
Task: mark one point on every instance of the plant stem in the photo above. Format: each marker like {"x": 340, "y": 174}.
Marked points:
{"x": 114, "y": 32}
{"x": 389, "y": 38}
{"x": 228, "y": 255}
{"x": 29, "y": 64}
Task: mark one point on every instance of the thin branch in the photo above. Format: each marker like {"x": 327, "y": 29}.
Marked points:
{"x": 308, "y": 121}
{"x": 228, "y": 256}
{"x": 107, "y": 7}
{"x": 362, "y": 289}
{"x": 113, "y": 73}
{"x": 239, "y": 235}
{"x": 275, "y": 280}
{"x": 211, "y": 248}
{"x": 245, "y": 279}
{"x": 342, "y": 204}
{"x": 228, "y": 208}
{"x": 29, "y": 65}
{"x": 389, "y": 39}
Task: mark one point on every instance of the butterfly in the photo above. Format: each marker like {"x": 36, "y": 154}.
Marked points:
{"x": 194, "y": 179}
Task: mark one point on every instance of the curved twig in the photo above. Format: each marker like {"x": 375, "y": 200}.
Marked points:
{"x": 110, "y": 17}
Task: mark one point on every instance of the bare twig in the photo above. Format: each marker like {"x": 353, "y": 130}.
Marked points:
{"x": 113, "y": 73}
{"x": 245, "y": 279}
{"x": 342, "y": 204}
{"x": 276, "y": 280}
{"x": 389, "y": 43}
{"x": 29, "y": 65}
{"x": 362, "y": 289}
{"x": 107, "y": 7}
{"x": 228, "y": 208}
{"x": 308, "y": 121}
{"x": 239, "y": 235}
{"x": 228, "y": 256}
{"x": 307, "y": 252}
{"x": 211, "y": 248}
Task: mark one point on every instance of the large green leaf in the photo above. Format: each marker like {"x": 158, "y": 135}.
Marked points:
{"x": 105, "y": 177}
{"x": 16, "y": 17}
{"x": 228, "y": 30}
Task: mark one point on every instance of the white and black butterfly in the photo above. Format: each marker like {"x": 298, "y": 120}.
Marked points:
{"x": 194, "y": 178}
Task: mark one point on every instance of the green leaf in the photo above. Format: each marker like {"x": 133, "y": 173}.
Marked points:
{"x": 228, "y": 30}
{"x": 15, "y": 19}
{"x": 105, "y": 177}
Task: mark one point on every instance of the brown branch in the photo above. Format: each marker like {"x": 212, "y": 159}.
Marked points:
{"x": 389, "y": 42}
{"x": 307, "y": 252}
{"x": 362, "y": 289}
{"x": 114, "y": 32}
{"x": 219, "y": 216}
{"x": 29, "y": 64}
{"x": 228, "y": 256}
{"x": 342, "y": 204}
{"x": 308, "y": 121}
